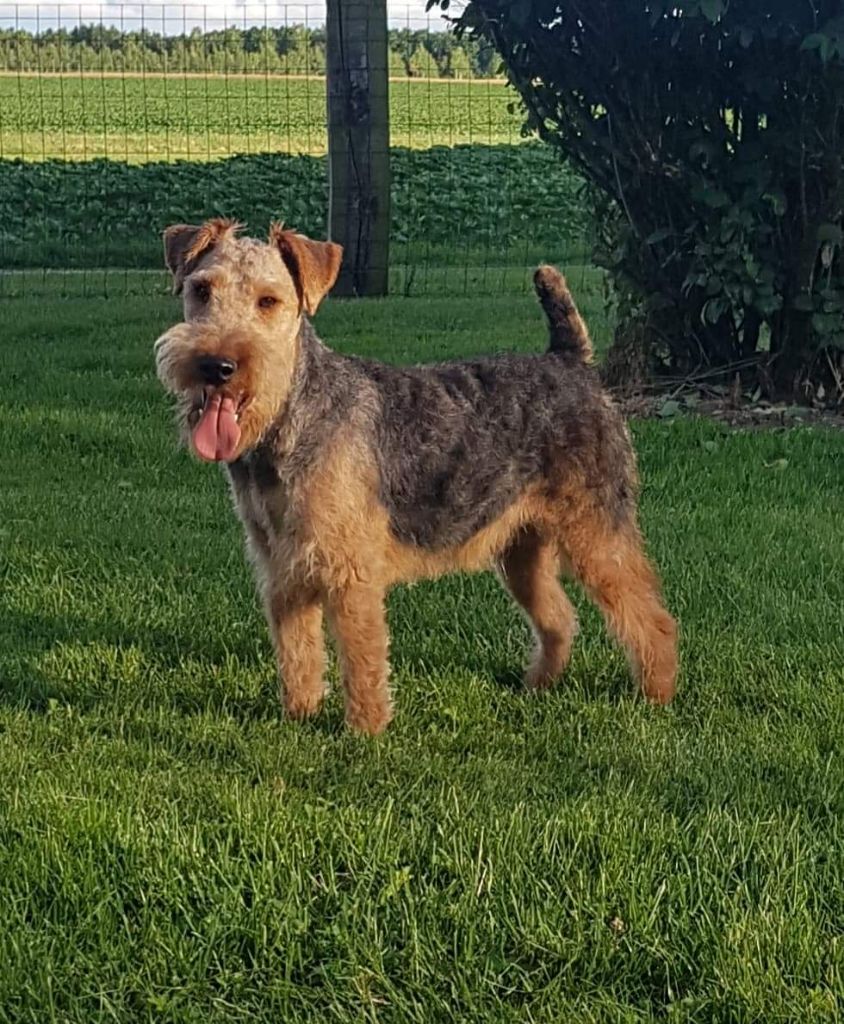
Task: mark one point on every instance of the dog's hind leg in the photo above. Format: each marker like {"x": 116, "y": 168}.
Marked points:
{"x": 612, "y": 566}
{"x": 530, "y": 570}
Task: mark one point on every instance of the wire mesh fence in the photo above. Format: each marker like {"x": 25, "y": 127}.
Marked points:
{"x": 116, "y": 120}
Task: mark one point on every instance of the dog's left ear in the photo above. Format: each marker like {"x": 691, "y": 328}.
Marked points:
{"x": 314, "y": 266}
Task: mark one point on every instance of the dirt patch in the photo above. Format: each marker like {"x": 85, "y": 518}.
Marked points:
{"x": 735, "y": 411}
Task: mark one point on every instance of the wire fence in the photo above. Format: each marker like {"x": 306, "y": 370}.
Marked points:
{"x": 116, "y": 120}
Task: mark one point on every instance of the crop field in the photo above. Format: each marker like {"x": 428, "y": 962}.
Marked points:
{"x": 92, "y": 169}
{"x": 173, "y": 852}
{"x": 170, "y": 117}
{"x": 480, "y": 205}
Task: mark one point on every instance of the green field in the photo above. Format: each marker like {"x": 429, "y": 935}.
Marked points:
{"x": 171, "y": 117}
{"x": 469, "y": 205}
{"x": 92, "y": 169}
{"x": 172, "y": 851}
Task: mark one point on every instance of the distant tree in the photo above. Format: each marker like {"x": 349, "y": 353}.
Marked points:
{"x": 403, "y": 44}
{"x": 397, "y": 64}
{"x": 293, "y": 49}
{"x": 422, "y": 64}
{"x": 49, "y": 57}
{"x": 460, "y": 66}
{"x": 440, "y": 45}
{"x": 486, "y": 62}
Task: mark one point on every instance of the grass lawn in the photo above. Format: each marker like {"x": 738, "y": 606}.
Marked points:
{"x": 172, "y": 851}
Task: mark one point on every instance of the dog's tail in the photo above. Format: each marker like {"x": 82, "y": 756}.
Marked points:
{"x": 567, "y": 331}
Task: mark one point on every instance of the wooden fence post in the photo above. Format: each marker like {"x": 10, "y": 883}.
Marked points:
{"x": 359, "y": 143}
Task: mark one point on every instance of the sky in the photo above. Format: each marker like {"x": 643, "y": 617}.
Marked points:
{"x": 174, "y": 17}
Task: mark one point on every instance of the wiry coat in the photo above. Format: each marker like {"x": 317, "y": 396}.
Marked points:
{"x": 352, "y": 475}
{"x": 455, "y": 444}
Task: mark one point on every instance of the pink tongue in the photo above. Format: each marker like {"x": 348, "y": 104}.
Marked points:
{"x": 216, "y": 436}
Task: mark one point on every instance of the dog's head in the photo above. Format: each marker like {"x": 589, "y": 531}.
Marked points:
{"x": 230, "y": 362}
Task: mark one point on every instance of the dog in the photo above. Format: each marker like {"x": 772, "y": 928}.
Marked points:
{"x": 351, "y": 475}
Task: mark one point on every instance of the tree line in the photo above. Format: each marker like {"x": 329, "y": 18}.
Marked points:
{"x": 289, "y": 49}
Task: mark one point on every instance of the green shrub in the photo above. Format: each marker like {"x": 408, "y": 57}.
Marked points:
{"x": 711, "y": 133}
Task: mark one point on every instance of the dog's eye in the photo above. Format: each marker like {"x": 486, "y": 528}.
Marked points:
{"x": 202, "y": 291}
{"x": 267, "y": 301}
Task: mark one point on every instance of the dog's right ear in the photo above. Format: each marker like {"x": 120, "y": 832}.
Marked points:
{"x": 185, "y": 243}
{"x": 178, "y": 241}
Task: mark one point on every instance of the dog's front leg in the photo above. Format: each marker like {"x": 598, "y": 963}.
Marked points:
{"x": 359, "y": 624}
{"x": 295, "y": 622}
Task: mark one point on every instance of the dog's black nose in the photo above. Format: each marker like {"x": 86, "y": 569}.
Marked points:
{"x": 216, "y": 370}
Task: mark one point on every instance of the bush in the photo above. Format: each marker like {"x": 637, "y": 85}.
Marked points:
{"x": 711, "y": 134}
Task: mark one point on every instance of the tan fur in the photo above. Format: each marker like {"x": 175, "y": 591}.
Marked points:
{"x": 530, "y": 570}
{"x": 185, "y": 243}
{"x": 619, "y": 578}
{"x": 336, "y": 538}
{"x": 295, "y": 621}
{"x": 314, "y": 266}
{"x": 322, "y": 542}
{"x": 263, "y": 342}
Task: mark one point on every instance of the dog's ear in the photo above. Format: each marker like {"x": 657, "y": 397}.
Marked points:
{"x": 185, "y": 243}
{"x": 314, "y": 266}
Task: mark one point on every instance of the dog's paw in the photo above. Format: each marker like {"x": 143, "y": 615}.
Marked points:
{"x": 539, "y": 678}
{"x": 302, "y": 705}
{"x": 548, "y": 663}
{"x": 369, "y": 721}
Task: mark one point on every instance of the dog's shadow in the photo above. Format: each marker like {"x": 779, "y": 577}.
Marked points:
{"x": 30, "y": 681}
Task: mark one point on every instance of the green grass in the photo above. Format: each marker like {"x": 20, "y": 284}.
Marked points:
{"x": 168, "y": 117}
{"x": 172, "y": 851}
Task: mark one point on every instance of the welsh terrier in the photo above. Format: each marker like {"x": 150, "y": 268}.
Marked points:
{"x": 351, "y": 476}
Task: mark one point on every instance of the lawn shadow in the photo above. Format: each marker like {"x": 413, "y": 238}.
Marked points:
{"x": 168, "y": 668}
{"x": 30, "y": 685}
